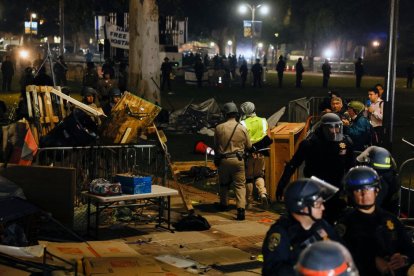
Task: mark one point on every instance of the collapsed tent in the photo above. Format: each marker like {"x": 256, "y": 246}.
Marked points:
{"x": 195, "y": 117}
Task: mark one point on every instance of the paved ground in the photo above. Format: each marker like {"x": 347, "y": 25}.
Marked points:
{"x": 229, "y": 247}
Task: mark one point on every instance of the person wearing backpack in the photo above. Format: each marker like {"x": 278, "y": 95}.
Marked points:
{"x": 375, "y": 108}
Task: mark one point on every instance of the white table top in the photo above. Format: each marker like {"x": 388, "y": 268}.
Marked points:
{"x": 156, "y": 191}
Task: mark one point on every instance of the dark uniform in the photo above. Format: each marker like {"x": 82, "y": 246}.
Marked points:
{"x": 285, "y": 241}
{"x": 257, "y": 71}
{"x": 326, "y": 70}
{"x": 299, "y": 73}
{"x": 166, "y": 70}
{"x": 243, "y": 73}
{"x": 280, "y": 68}
{"x": 230, "y": 149}
{"x": 359, "y": 72}
{"x": 325, "y": 159}
{"x": 379, "y": 234}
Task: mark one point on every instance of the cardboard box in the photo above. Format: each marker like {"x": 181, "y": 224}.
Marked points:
{"x": 93, "y": 249}
{"x": 130, "y": 266}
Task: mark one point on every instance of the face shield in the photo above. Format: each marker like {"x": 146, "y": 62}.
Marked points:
{"x": 326, "y": 190}
{"x": 333, "y": 131}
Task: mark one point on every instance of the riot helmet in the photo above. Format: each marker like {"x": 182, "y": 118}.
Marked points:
{"x": 303, "y": 193}
{"x": 332, "y": 127}
{"x": 326, "y": 258}
{"x": 115, "y": 92}
{"x": 248, "y": 109}
{"x": 376, "y": 157}
{"x": 230, "y": 108}
{"x": 88, "y": 91}
{"x": 357, "y": 106}
{"x": 361, "y": 178}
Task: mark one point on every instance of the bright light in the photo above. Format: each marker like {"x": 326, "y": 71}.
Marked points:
{"x": 328, "y": 53}
{"x": 33, "y": 15}
{"x": 212, "y": 44}
{"x": 24, "y": 54}
{"x": 271, "y": 47}
{"x": 243, "y": 9}
{"x": 375, "y": 43}
{"x": 260, "y": 45}
{"x": 264, "y": 10}
{"x": 229, "y": 42}
{"x": 276, "y": 35}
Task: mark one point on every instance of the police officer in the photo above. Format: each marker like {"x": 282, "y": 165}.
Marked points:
{"x": 376, "y": 239}
{"x": 257, "y": 71}
{"x": 115, "y": 97}
{"x": 326, "y": 258}
{"x": 381, "y": 161}
{"x": 259, "y": 133}
{"x": 230, "y": 141}
{"x": 89, "y": 98}
{"x": 328, "y": 154}
{"x": 289, "y": 235}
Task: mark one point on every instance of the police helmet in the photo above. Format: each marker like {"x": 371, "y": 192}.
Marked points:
{"x": 332, "y": 127}
{"x": 356, "y": 106}
{"x": 376, "y": 157}
{"x": 359, "y": 177}
{"x": 230, "y": 108}
{"x": 248, "y": 108}
{"x": 88, "y": 91}
{"x": 115, "y": 92}
{"x": 326, "y": 258}
{"x": 304, "y": 192}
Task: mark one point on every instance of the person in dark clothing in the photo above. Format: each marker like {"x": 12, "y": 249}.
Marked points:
{"x": 108, "y": 68}
{"x": 59, "y": 69}
{"x": 115, "y": 96}
{"x": 123, "y": 77}
{"x": 243, "y": 73}
{"x": 280, "y": 68}
{"x": 383, "y": 163}
{"x": 359, "y": 72}
{"x": 90, "y": 78}
{"x": 326, "y": 71}
{"x": 166, "y": 70}
{"x": 199, "y": 71}
{"x": 327, "y": 154}
{"x": 257, "y": 71}
{"x": 325, "y": 105}
{"x": 376, "y": 239}
{"x": 7, "y": 70}
{"x": 358, "y": 127}
{"x": 410, "y": 75}
{"x": 42, "y": 78}
{"x": 299, "y": 72}
{"x": 291, "y": 234}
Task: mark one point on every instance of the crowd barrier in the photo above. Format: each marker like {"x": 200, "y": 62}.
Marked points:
{"x": 93, "y": 162}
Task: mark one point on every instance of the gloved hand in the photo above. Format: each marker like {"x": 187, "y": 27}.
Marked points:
{"x": 280, "y": 189}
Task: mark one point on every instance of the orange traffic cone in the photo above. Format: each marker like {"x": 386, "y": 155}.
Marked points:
{"x": 201, "y": 147}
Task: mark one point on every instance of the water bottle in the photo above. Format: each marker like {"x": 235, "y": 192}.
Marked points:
{"x": 368, "y": 103}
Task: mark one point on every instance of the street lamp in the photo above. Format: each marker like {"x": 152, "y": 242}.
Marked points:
{"x": 229, "y": 43}
{"x": 243, "y": 8}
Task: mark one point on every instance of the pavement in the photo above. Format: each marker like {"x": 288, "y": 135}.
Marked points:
{"x": 229, "y": 247}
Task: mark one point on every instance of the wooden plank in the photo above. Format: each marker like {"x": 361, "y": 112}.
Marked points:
{"x": 49, "y": 109}
{"x": 29, "y": 101}
{"x": 126, "y": 135}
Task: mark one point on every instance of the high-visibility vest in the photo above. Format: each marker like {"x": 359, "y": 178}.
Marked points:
{"x": 256, "y": 127}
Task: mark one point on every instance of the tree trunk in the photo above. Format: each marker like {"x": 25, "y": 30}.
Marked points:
{"x": 144, "y": 63}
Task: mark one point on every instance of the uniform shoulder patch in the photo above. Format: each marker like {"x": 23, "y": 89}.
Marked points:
{"x": 390, "y": 225}
{"x": 273, "y": 241}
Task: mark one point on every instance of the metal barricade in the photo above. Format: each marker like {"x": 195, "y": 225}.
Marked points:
{"x": 406, "y": 181}
{"x": 105, "y": 161}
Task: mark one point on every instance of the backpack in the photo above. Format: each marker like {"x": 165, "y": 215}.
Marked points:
{"x": 192, "y": 223}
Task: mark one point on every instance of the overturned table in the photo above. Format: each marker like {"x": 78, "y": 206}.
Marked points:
{"x": 156, "y": 197}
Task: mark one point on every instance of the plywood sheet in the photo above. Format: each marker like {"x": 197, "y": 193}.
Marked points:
{"x": 243, "y": 229}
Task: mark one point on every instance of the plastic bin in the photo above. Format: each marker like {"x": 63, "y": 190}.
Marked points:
{"x": 133, "y": 184}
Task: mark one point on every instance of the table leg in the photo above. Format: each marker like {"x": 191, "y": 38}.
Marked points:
{"x": 169, "y": 212}
{"x": 88, "y": 217}
{"x": 97, "y": 219}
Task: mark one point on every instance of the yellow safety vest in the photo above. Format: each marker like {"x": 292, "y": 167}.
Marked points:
{"x": 256, "y": 127}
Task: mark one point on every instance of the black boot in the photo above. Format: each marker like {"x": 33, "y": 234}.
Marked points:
{"x": 240, "y": 214}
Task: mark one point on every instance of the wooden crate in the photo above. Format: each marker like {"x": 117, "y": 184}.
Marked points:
{"x": 129, "y": 119}
{"x": 286, "y": 138}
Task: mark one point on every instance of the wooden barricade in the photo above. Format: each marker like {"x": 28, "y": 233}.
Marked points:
{"x": 46, "y": 108}
{"x": 129, "y": 119}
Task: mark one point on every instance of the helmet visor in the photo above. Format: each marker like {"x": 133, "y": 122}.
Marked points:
{"x": 333, "y": 131}
{"x": 326, "y": 190}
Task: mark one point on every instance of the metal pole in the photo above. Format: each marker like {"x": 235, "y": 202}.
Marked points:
{"x": 253, "y": 8}
{"x": 392, "y": 64}
{"x": 62, "y": 26}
